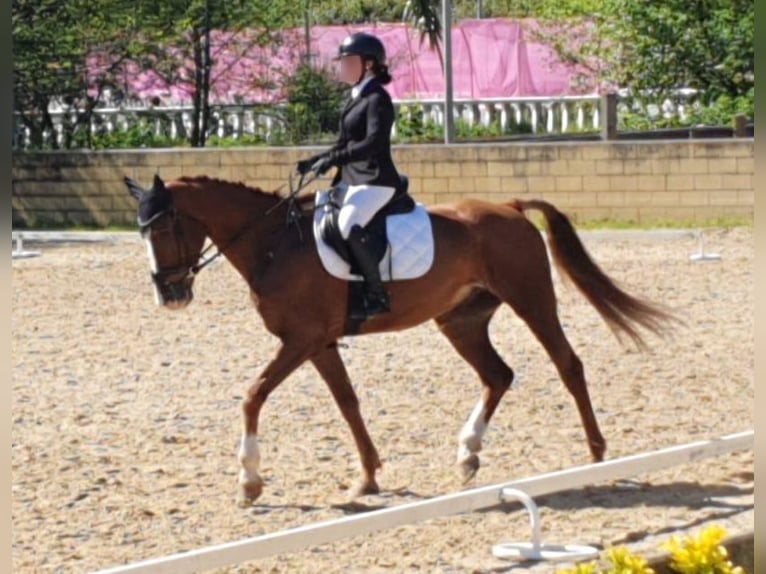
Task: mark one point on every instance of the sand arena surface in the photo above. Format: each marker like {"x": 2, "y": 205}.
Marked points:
{"x": 126, "y": 417}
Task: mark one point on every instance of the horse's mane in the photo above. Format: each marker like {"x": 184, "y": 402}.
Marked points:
{"x": 204, "y": 179}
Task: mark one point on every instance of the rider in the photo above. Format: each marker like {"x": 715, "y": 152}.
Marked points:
{"x": 362, "y": 155}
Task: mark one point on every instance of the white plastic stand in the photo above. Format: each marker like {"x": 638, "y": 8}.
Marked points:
{"x": 702, "y": 256}
{"x": 19, "y": 251}
{"x": 536, "y": 550}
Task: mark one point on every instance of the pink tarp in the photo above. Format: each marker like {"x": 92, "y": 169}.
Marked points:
{"x": 492, "y": 58}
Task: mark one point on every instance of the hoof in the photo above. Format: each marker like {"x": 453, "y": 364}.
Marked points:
{"x": 249, "y": 493}
{"x": 597, "y": 451}
{"x": 469, "y": 466}
{"x": 364, "y": 488}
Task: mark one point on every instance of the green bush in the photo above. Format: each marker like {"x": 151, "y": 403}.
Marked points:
{"x": 720, "y": 112}
{"x": 140, "y": 135}
{"x": 413, "y": 127}
{"x": 314, "y": 102}
{"x": 231, "y": 141}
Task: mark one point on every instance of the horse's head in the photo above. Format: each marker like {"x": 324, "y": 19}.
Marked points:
{"x": 173, "y": 240}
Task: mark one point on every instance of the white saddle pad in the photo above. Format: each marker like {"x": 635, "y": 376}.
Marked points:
{"x": 410, "y": 252}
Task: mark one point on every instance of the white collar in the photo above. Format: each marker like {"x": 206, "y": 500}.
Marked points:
{"x": 356, "y": 90}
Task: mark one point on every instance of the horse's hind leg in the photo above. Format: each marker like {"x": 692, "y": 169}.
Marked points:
{"x": 466, "y": 327}
{"x": 528, "y": 289}
{"x": 551, "y": 335}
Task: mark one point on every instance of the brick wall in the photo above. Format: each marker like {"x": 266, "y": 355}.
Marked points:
{"x": 692, "y": 180}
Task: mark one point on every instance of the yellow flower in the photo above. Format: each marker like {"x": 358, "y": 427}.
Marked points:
{"x": 701, "y": 554}
{"x": 627, "y": 563}
{"x": 586, "y": 568}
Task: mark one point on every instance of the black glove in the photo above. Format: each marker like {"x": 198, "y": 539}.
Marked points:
{"x": 304, "y": 166}
{"x": 322, "y": 165}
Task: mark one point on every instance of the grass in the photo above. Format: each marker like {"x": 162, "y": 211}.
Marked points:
{"x": 718, "y": 223}
{"x": 100, "y": 228}
{"x": 619, "y": 224}
{"x": 50, "y": 226}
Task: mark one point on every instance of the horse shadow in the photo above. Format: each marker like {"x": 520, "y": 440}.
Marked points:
{"x": 368, "y": 503}
{"x": 622, "y": 494}
{"x": 378, "y": 501}
{"x": 628, "y": 494}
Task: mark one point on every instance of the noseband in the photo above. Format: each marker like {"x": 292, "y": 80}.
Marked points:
{"x": 166, "y": 223}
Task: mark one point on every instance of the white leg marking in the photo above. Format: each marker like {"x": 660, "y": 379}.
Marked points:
{"x": 154, "y": 267}
{"x": 469, "y": 441}
{"x": 250, "y": 459}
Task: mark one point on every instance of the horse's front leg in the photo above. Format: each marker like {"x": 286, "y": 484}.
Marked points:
{"x": 330, "y": 366}
{"x": 288, "y": 358}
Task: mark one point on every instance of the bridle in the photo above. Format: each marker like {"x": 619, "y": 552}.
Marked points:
{"x": 185, "y": 272}
{"x": 165, "y": 223}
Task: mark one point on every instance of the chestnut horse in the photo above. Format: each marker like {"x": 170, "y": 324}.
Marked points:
{"x": 486, "y": 254}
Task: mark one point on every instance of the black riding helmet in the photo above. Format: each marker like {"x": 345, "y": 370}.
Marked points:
{"x": 365, "y": 45}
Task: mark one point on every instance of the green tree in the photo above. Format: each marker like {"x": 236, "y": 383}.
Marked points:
{"x": 426, "y": 17}
{"x": 355, "y": 12}
{"x": 51, "y": 42}
{"x": 656, "y": 48}
{"x": 55, "y": 42}
{"x": 179, "y": 47}
{"x": 707, "y": 45}
{"x": 314, "y": 103}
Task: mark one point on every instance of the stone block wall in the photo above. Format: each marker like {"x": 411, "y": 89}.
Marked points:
{"x": 652, "y": 181}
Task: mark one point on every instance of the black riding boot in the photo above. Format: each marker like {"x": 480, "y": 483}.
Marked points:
{"x": 376, "y": 296}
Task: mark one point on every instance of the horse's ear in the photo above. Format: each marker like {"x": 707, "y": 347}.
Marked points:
{"x": 135, "y": 190}
{"x": 158, "y": 183}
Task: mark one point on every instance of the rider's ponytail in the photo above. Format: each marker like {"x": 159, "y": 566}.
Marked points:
{"x": 381, "y": 73}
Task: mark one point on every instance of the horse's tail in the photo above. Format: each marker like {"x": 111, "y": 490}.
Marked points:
{"x": 621, "y": 311}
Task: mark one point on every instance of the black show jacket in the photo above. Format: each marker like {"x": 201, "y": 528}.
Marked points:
{"x": 363, "y": 150}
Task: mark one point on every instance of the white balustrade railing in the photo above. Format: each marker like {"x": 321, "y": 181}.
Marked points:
{"x": 537, "y": 115}
{"x": 174, "y": 122}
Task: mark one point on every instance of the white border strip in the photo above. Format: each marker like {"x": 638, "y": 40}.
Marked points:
{"x": 466, "y": 501}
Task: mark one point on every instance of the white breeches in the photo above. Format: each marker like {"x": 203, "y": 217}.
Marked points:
{"x": 360, "y": 204}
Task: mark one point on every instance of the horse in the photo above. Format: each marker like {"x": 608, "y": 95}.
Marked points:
{"x": 486, "y": 254}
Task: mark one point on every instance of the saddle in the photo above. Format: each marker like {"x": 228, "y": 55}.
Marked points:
{"x": 400, "y": 236}
{"x": 377, "y": 236}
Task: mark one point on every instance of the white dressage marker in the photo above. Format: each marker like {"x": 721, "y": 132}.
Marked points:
{"x": 702, "y": 256}
{"x": 536, "y": 550}
{"x": 19, "y": 252}
{"x": 457, "y": 503}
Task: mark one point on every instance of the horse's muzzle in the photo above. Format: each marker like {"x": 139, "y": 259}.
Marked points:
{"x": 174, "y": 295}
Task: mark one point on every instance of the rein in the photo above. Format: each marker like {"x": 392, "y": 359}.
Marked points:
{"x": 293, "y": 217}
